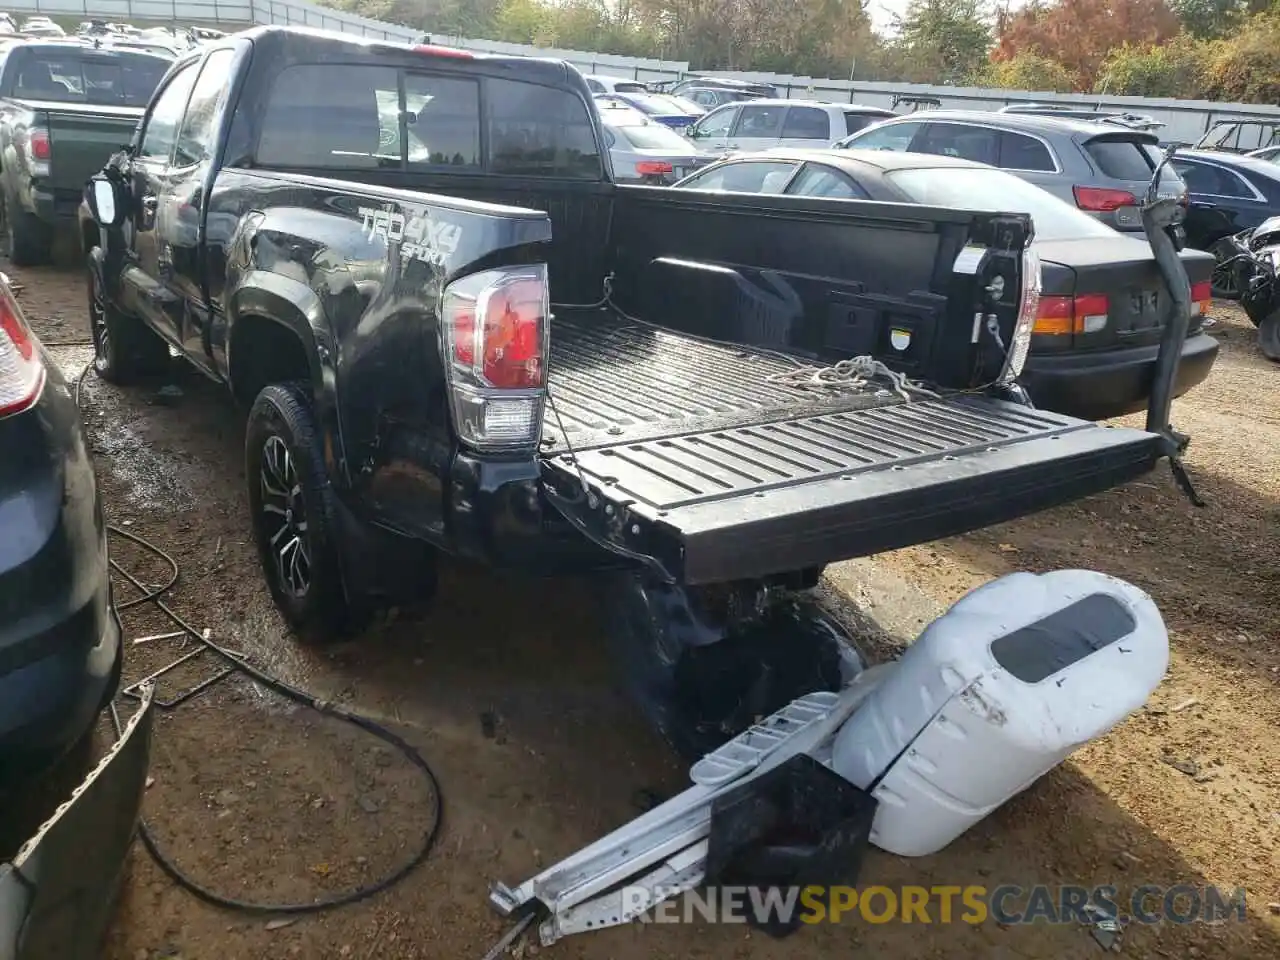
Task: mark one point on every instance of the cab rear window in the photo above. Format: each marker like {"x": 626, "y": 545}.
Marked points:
{"x": 369, "y": 116}
{"x": 121, "y": 80}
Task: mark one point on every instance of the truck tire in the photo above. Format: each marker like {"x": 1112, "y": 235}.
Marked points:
{"x": 30, "y": 238}
{"x": 294, "y": 515}
{"x": 1269, "y": 336}
{"x": 124, "y": 349}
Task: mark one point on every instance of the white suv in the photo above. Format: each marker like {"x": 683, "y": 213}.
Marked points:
{"x": 765, "y": 124}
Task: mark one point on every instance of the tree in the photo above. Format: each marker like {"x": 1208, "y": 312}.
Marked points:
{"x": 1246, "y": 68}
{"x": 1079, "y": 34}
{"x": 1028, "y": 71}
{"x": 955, "y": 34}
{"x": 1175, "y": 69}
{"x": 1209, "y": 19}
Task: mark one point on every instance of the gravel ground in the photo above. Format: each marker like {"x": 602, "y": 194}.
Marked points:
{"x": 503, "y": 687}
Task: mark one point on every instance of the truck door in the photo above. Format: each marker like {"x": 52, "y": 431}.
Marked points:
{"x": 145, "y": 280}
{"x": 182, "y": 198}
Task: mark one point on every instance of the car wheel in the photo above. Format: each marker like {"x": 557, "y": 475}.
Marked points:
{"x": 1225, "y": 280}
{"x": 1269, "y": 336}
{"x": 293, "y": 514}
{"x": 30, "y": 239}
{"x": 124, "y": 350}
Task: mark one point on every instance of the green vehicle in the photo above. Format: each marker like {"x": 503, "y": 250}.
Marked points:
{"x": 65, "y": 107}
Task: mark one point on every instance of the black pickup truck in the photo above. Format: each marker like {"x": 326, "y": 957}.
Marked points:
{"x": 455, "y": 335}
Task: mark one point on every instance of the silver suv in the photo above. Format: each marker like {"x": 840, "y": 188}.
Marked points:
{"x": 1101, "y": 168}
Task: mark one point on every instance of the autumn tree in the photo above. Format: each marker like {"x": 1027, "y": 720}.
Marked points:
{"x": 1246, "y": 68}
{"x": 1027, "y": 71}
{"x": 953, "y": 34}
{"x": 1079, "y": 34}
{"x": 1174, "y": 69}
{"x": 1209, "y": 19}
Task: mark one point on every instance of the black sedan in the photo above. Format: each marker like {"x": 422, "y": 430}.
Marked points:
{"x": 1103, "y": 304}
{"x": 1227, "y": 193}
{"x": 60, "y": 651}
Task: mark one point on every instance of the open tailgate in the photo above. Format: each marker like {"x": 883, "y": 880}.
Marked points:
{"x": 750, "y": 501}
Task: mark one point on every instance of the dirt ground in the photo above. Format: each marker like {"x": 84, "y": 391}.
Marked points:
{"x": 504, "y": 688}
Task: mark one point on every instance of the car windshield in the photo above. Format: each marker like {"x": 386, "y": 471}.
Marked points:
{"x": 652, "y": 136}
{"x": 975, "y": 188}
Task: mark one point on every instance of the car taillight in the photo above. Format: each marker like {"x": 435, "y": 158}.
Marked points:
{"x": 1103, "y": 199}
{"x": 1201, "y": 297}
{"x": 1061, "y": 316}
{"x": 495, "y": 329}
{"x": 21, "y": 370}
{"x": 1028, "y": 305}
{"x": 653, "y": 168}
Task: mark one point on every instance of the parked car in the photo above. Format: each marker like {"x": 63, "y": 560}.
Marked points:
{"x": 41, "y": 27}
{"x": 1100, "y": 168}
{"x": 1241, "y": 136}
{"x": 641, "y": 150}
{"x": 546, "y": 371}
{"x": 59, "y": 632}
{"x": 673, "y": 112}
{"x": 711, "y": 97}
{"x": 678, "y": 87}
{"x": 1102, "y": 306}
{"x": 599, "y": 83}
{"x": 65, "y": 107}
{"x": 1266, "y": 153}
{"x": 1227, "y": 193}
{"x": 764, "y": 124}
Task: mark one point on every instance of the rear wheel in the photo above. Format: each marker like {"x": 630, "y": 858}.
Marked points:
{"x": 1225, "y": 281}
{"x": 293, "y": 513}
{"x": 30, "y": 238}
{"x": 124, "y": 350}
{"x": 1269, "y": 336}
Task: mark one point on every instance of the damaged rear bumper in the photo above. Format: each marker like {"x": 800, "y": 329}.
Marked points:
{"x": 58, "y": 895}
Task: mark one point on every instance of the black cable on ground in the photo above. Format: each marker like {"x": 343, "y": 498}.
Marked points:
{"x": 290, "y": 692}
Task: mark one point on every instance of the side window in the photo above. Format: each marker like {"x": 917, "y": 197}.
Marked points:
{"x": 442, "y": 121}
{"x": 816, "y": 181}
{"x": 166, "y": 114}
{"x": 1018, "y": 152}
{"x": 980, "y": 144}
{"x": 748, "y": 176}
{"x": 716, "y": 123}
{"x": 758, "y": 121}
{"x": 853, "y": 121}
{"x": 537, "y": 131}
{"x": 332, "y": 116}
{"x": 595, "y": 86}
{"x": 704, "y": 98}
{"x": 199, "y": 126}
{"x": 886, "y": 136}
{"x": 806, "y": 123}
{"x": 1210, "y": 180}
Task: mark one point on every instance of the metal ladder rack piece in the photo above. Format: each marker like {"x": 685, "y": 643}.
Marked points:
{"x": 664, "y": 851}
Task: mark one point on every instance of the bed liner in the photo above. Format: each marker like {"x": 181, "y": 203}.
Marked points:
{"x": 691, "y": 455}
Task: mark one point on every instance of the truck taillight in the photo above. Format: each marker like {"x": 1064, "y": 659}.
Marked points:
{"x": 21, "y": 370}
{"x": 39, "y": 143}
{"x": 495, "y": 327}
{"x": 1067, "y": 315}
{"x": 1028, "y": 308}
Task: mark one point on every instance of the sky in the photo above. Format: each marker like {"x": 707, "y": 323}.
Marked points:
{"x": 882, "y": 12}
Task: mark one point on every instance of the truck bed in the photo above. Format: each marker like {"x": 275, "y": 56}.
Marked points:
{"x": 612, "y": 379}
{"x": 693, "y": 457}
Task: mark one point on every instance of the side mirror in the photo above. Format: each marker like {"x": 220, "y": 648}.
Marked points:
{"x": 106, "y": 200}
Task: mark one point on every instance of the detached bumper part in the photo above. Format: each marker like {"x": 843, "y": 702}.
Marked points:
{"x": 58, "y": 895}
